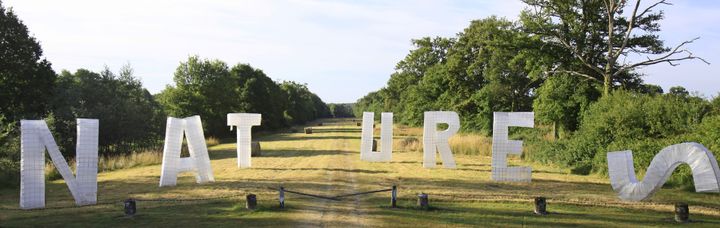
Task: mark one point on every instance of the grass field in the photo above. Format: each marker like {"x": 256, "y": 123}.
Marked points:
{"x": 327, "y": 162}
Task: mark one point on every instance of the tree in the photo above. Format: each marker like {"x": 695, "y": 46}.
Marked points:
{"x": 26, "y": 78}
{"x": 491, "y": 67}
{"x": 203, "y": 87}
{"x": 127, "y": 112}
{"x": 596, "y": 33}
{"x": 562, "y": 99}
{"x": 258, "y": 93}
{"x": 678, "y": 91}
{"x": 26, "y": 85}
{"x": 341, "y": 110}
{"x": 409, "y": 71}
{"x": 301, "y": 107}
{"x": 208, "y": 88}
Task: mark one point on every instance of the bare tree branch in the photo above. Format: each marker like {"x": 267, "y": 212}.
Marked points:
{"x": 663, "y": 2}
{"x": 627, "y": 33}
{"x": 572, "y": 73}
{"x": 668, "y": 58}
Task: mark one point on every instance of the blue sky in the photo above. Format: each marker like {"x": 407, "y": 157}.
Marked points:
{"x": 340, "y": 49}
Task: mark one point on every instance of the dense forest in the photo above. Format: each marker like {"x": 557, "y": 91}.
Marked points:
{"x": 130, "y": 117}
{"x": 560, "y": 61}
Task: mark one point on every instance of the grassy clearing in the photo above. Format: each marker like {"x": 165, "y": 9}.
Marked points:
{"x": 327, "y": 162}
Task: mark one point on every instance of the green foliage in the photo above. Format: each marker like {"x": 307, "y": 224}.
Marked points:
{"x": 26, "y": 78}
{"x": 126, "y": 111}
{"x": 303, "y": 105}
{"x": 26, "y": 85}
{"x": 9, "y": 153}
{"x": 561, "y": 99}
{"x": 490, "y": 66}
{"x": 372, "y": 102}
{"x": 588, "y": 37}
{"x": 715, "y": 105}
{"x": 260, "y": 94}
{"x": 642, "y": 123}
{"x": 341, "y": 110}
{"x": 212, "y": 90}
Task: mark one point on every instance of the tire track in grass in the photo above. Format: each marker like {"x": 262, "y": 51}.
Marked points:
{"x": 340, "y": 178}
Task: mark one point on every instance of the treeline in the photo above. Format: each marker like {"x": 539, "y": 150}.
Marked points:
{"x": 212, "y": 89}
{"x": 560, "y": 61}
{"x": 342, "y": 110}
{"x": 130, "y": 117}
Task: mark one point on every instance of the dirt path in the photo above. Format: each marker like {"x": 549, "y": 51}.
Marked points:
{"x": 339, "y": 177}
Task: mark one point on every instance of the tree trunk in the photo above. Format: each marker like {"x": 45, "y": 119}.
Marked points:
{"x": 606, "y": 84}
{"x": 556, "y": 128}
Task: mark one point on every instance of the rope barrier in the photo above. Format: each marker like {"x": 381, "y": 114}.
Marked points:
{"x": 363, "y": 193}
{"x": 312, "y": 195}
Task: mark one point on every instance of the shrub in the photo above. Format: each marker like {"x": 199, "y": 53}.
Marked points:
{"x": 642, "y": 123}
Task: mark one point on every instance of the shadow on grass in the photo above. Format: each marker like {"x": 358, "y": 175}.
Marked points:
{"x": 519, "y": 214}
{"x": 325, "y": 169}
{"x": 336, "y": 130}
{"x": 223, "y": 154}
{"x": 302, "y": 138}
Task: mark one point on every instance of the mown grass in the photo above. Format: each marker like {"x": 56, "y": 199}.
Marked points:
{"x": 327, "y": 163}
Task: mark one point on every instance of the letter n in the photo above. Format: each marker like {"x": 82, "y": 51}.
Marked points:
{"x": 35, "y": 137}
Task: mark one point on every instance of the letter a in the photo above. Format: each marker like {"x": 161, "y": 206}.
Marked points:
{"x": 501, "y": 146}
{"x": 244, "y": 122}
{"x": 199, "y": 160}
{"x": 386, "y": 137}
{"x": 35, "y": 137}
{"x": 434, "y": 140}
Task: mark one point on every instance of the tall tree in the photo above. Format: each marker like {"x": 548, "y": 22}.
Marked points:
{"x": 258, "y": 93}
{"x": 562, "y": 99}
{"x": 26, "y": 84}
{"x": 597, "y": 33}
{"x": 203, "y": 87}
{"x": 127, "y": 112}
{"x": 26, "y": 78}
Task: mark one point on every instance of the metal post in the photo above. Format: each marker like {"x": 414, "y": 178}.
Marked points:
{"x": 130, "y": 208}
{"x": 393, "y": 195}
{"x": 281, "y": 197}
{"x": 682, "y": 212}
{"x": 251, "y": 201}
{"x": 540, "y": 206}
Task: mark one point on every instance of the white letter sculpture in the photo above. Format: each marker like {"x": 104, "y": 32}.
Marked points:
{"x": 244, "y": 122}
{"x": 386, "y": 138}
{"x": 199, "y": 160}
{"x": 703, "y": 165}
{"x": 434, "y": 140}
{"x": 35, "y": 137}
{"x": 502, "y": 146}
